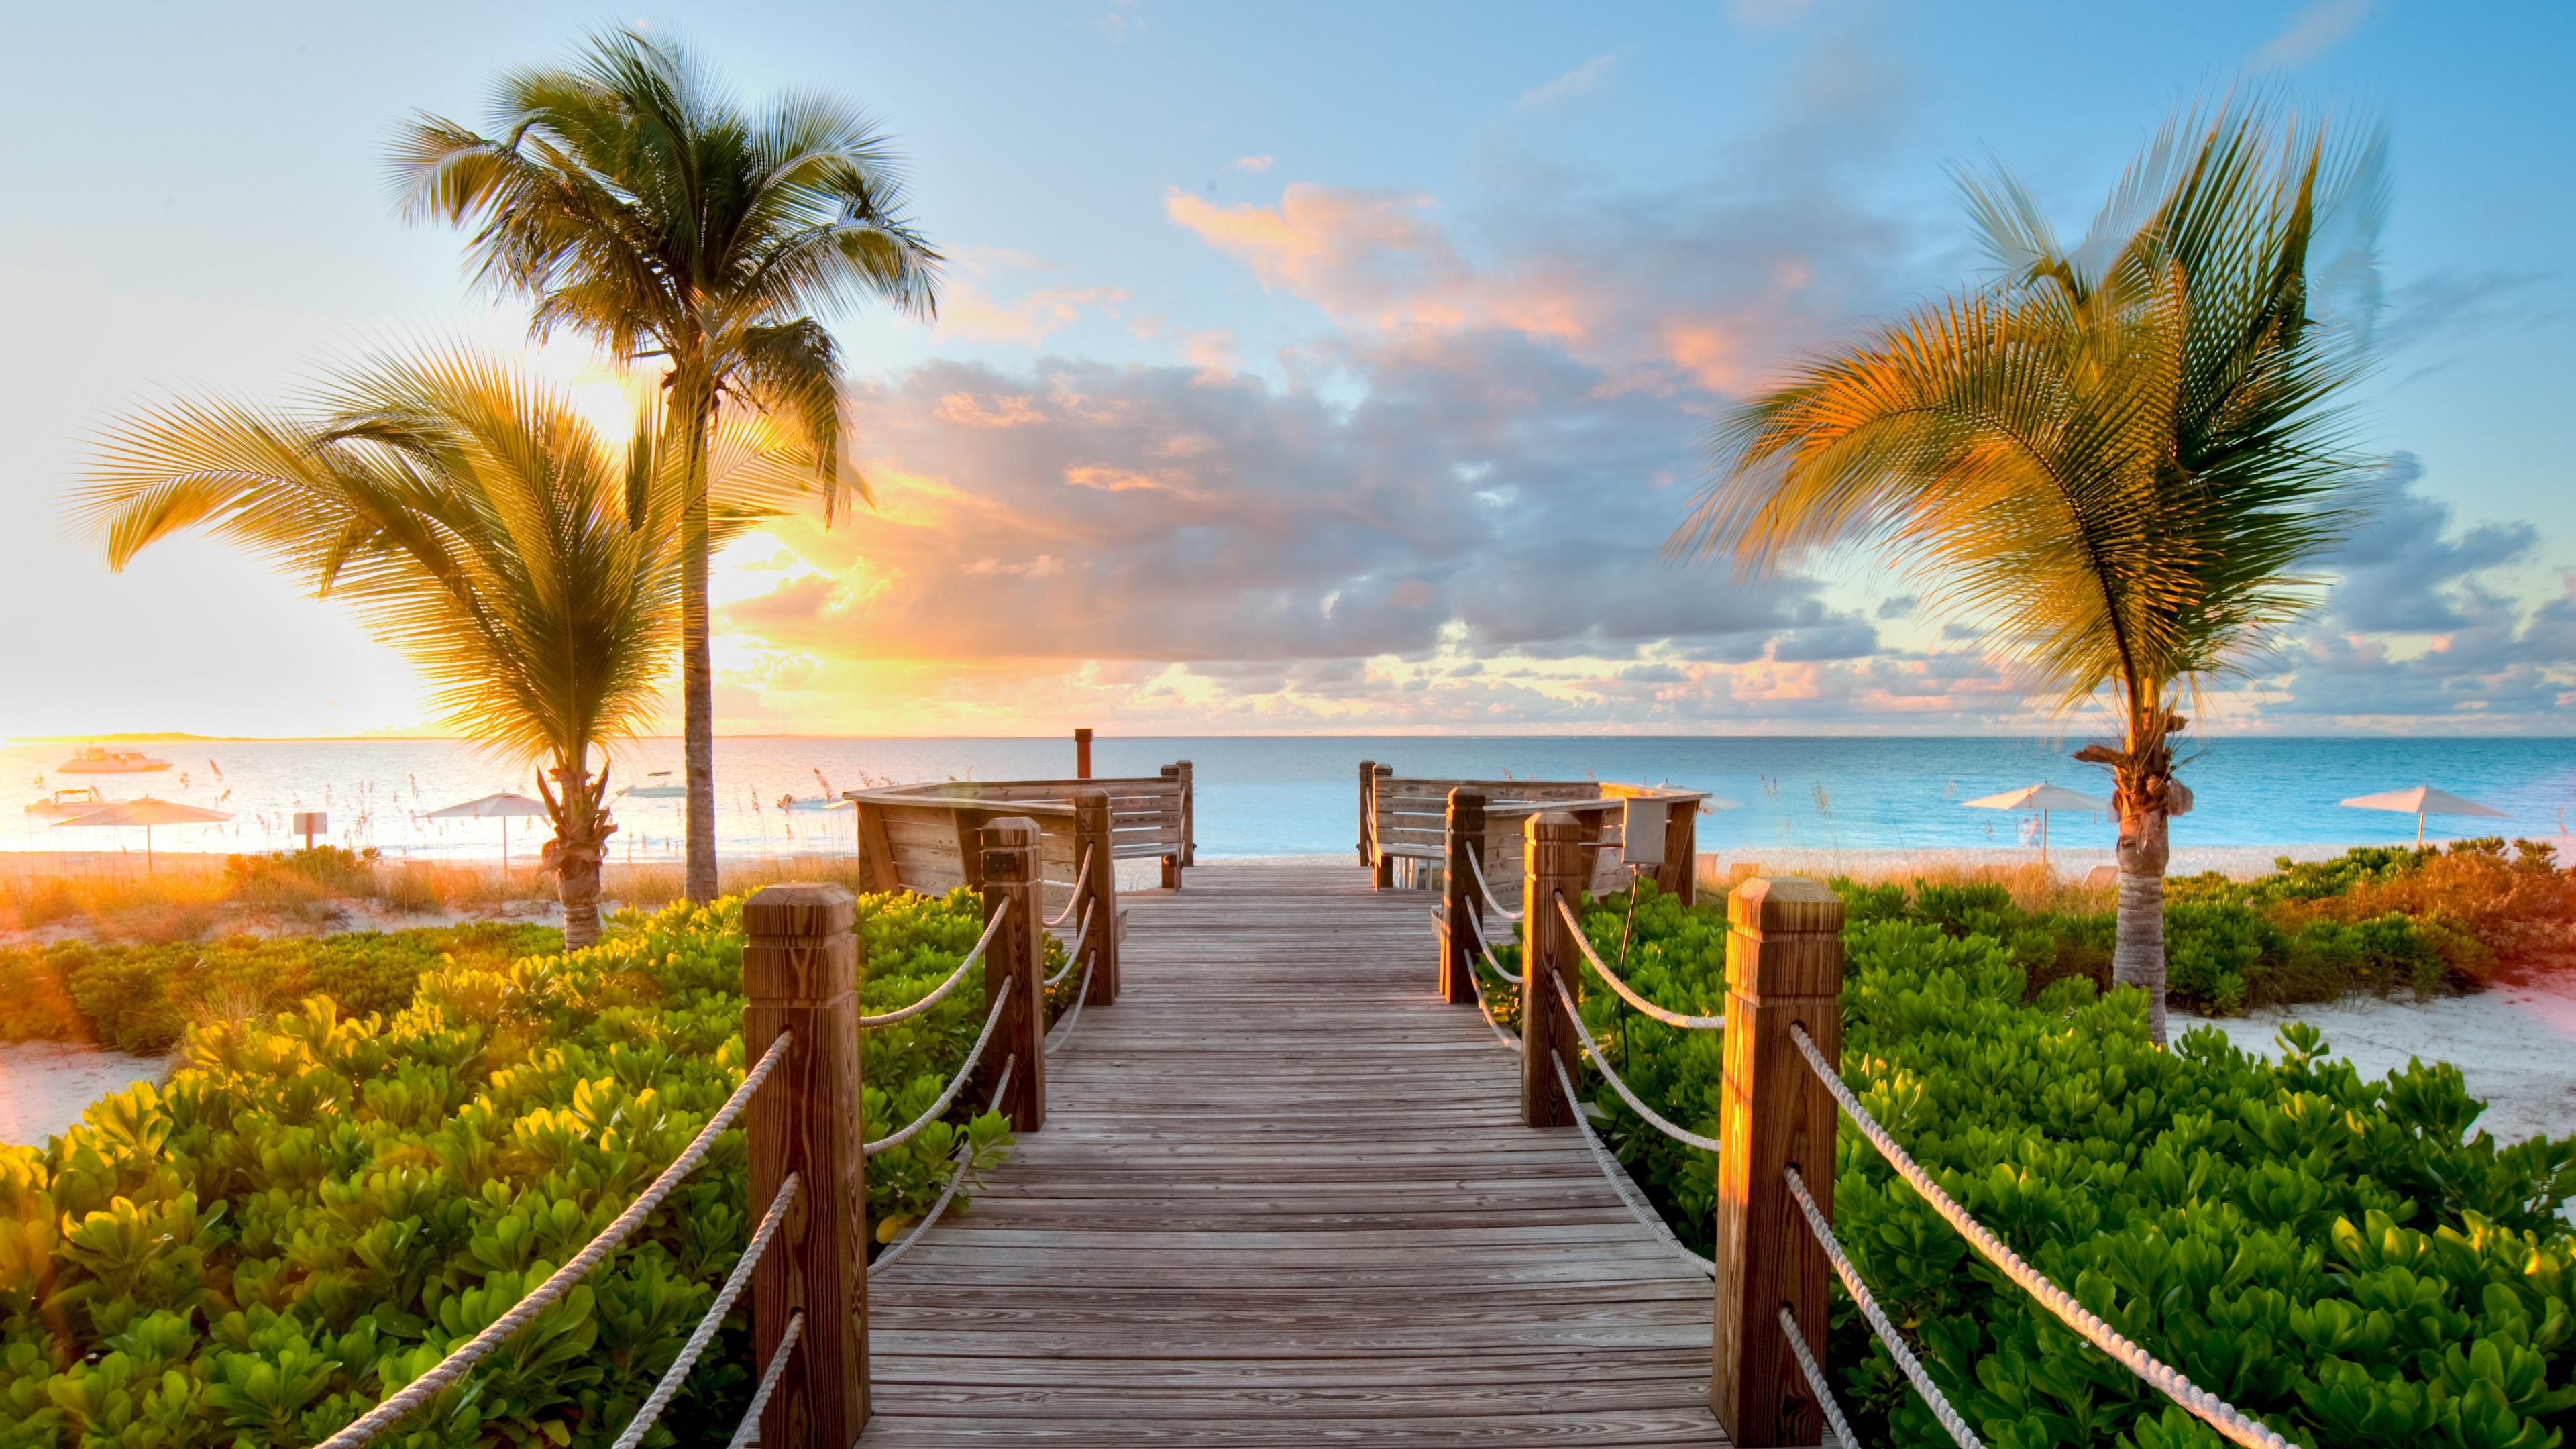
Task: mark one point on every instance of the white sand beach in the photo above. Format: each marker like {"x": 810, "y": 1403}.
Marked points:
{"x": 44, "y": 1086}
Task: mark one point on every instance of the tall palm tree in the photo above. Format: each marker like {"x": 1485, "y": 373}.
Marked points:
{"x": 2116, "y": 457}
{"x": 635, "y": 203}
{"x": 478, "y": 525}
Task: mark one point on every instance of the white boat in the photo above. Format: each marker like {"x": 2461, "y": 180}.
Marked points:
{"x": 94, "y": 761}
{"x": 664, "y": 790}
{"x": 77, "y": 800}
{"x": 817, "y": 802}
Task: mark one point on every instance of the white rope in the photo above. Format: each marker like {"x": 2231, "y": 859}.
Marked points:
{"x": 734, "y": 1283}
{"x": 1479, "y": 867}
{"x": 749, "y": 1433}
{"x": 944, "y": 987}
{"x": 1653, "y": 1118}
{"x": 1081, "y": 874}
{"x": 1816, "y": 1384}
{"x": 1072, "y": 953}
{"x": 453, "y": 1367}
{"x": 1500, "y": 1035}
{"x": 1064, "y": 1029}
{"x": 1669, "y": 1018}
{"x": 991, "y": 1018}
{"x": 2217, "y": 1412}
{"x": 1933, "y": 1398}
{"x": 965, "y": 1160}
{"x": 1620, "y": 1182}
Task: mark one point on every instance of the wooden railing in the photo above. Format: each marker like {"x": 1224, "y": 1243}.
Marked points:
{"x": 1410, "y": 820}
{"x": 921, "y": 837}
{"x": 801, "y": 969}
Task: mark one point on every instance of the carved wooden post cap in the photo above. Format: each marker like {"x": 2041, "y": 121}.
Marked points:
{"x": 799, "y": 911}
{"x": 1553, "y": 825}
{"x": 1786, "y": 903}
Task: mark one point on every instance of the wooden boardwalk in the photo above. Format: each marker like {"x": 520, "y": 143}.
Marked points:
{"x": 1283, "y": 1197}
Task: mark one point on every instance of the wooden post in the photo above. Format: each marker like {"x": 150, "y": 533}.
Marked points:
{"x": 1099, "y": 894}
{"x": 1784, "y": 966}
{"x": 1015, "y": 967}
{"x": 800, "y": 973}
{"x": 1554, "y": 863}
{"x": 1082, "y": 754}
{"x": 1380, "y": 862}
{"x": 1368, "y": 810}
{"x": 876, "y": 851}
{"x": 1172, "y": 862}
{"x": 1189, "y": 816}
{"x": 1678, "y": 875}
{"x": 1466, "y": 849}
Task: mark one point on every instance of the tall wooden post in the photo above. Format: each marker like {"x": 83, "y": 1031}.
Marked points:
{"x": 800, "y": 974}
{"x": 1098, "y": 896}
{"x": 1368, "y": 811}
{"x": 1679, "y": 874}
{"x": 1172, "y": 862}
{"x": 1380, "y": 862}
{"x": 1189, "y": 816}
{"x": 1082, "y": 754}
{"x": 1554, "y": 862}
{"x": 1466, "y": 849}
{"x": 1015, "y": 967}
{"x": 1784, "y": 966}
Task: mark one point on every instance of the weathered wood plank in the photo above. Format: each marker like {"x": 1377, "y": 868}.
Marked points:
{"x": 1283, "y": 1196}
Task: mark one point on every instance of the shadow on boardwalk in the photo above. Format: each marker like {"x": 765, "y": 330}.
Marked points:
{"x": 1283, "y": 1196}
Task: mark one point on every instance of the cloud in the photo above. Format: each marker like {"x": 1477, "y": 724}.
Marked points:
{"x": 1251, "y": 163}
{"x": 1573, "y": 83}
{"x": 2313, "y": 32}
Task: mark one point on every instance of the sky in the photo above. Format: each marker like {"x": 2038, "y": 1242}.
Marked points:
{"x": 1298, "y": 368}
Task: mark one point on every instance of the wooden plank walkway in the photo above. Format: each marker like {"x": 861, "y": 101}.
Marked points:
{"x": 1283, "y": 1197}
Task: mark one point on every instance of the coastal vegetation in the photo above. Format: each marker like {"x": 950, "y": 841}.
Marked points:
{"x": 2114, "y": 459}
{"x": 2346, "y": 1258}
{"x": 526, "y": 567}
{"x": 320, "y": 1204}
{"x": 634, "y": 202}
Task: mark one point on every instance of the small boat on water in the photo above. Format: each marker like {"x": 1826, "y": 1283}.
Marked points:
{"x": 95, "y": 761}
{"x": 77, "y": 800}
{"x": 819, "y": 802}
{"x": 660, "y": 789}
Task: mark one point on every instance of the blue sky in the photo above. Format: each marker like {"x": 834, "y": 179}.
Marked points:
{"x": 1316, "y": 367}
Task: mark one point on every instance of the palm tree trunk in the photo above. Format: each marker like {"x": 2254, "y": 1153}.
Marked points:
{"x": 577, "y": 805}
{"x": 2138, "y": 954}
{"x": 695, "y": 403}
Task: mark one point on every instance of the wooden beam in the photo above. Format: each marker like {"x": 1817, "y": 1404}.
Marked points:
{"x": 800, "y": 972}
{"x": 1784, "y": 967}
{"x": 1015, "y": 967}
{"x": 1555, "y": 864}
{"x": 1098, "y": 895}
{"x": 1466, "y": 844}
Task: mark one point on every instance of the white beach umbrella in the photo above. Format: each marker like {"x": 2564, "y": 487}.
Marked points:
{"x": 2042, "y": 797}
{"x": 146, "y": 812}
{"x": 2421, "y": 801}
{"x": 499, "y": 807}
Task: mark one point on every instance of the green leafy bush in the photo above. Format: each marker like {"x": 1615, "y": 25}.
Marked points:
{"x": 2344, "y": 1257}
{"x": 319, "y": 1206}
{"x": 143, "y": 998}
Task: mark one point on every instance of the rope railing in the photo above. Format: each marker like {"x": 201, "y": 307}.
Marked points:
{"x": 749, "y": 1433}
{"x": 1487, "y": 891}
{"x": 2216, "y": 1412}
{"x": 1653, "y": 1118}
{"x": 965, "y": 1160}
{"x": 1626, "y": 993}
{"x": 1483, "y": 956}
{"x": 956, "y": 1084}
{"x": 940, "y": 992}
{"x": 1933, "y": 1398}
{"x": 1064, "y": 1029}
{"x": 1815, "y": 1374}
{"x": 1620, "y": 1182}
{"x": 1081, "y": 877}
{"x": 460, "y": 1361}
{"x": 1072, "y": 953}
{"x": 734, "y": 1283}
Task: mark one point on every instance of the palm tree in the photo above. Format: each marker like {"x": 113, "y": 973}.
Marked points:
{"x": 478, "y": 525}
{"x": 636, "y": 204}
{"x": 2115, "y": 457}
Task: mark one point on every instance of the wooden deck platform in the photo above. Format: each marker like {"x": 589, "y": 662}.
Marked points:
{"x": 1283, "y": 1197}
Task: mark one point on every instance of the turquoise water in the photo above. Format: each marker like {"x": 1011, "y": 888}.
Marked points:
{"x": 1298, "y": 795}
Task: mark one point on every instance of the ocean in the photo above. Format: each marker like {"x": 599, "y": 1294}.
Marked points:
{"x": 1297, "y": 795}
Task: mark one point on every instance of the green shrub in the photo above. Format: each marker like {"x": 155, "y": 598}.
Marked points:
{"x": 319, "y": 1206}
{"x": 2345, "y": 1258}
